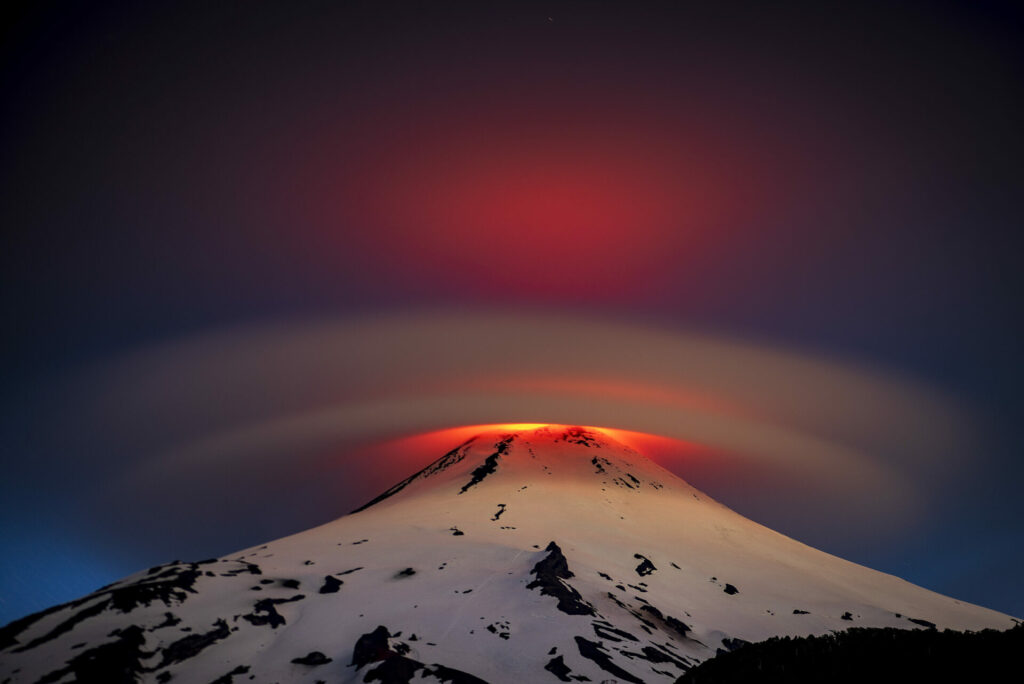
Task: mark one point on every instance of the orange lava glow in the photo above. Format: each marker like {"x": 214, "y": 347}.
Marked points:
{"x": 448, "y": 438}
{"x": 467, "y": 431}
{"x": 514, "y": 426}
{"x": 404, "y": 455}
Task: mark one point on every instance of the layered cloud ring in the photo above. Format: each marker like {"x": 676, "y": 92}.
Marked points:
{"x": 260, "y": 398}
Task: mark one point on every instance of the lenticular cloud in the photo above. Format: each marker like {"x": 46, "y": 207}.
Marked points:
{"x": 266, "y": 395}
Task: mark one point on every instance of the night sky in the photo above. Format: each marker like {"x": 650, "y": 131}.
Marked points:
{"x": 219, "y": 218}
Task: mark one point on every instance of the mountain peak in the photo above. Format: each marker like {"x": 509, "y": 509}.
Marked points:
{"x": 540, "y": 433}
{"x": 548, "y": 435}
{"x": 526, "y": 553}
{"x": 514, "y": 456}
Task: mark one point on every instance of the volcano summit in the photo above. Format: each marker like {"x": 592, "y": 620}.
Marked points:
{"x": 531, "y": 555}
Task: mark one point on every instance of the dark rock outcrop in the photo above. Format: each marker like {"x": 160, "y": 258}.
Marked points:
{"x": 550, "y": 572}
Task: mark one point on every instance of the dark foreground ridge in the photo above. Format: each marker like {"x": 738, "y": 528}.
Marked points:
{"x": 869, "y": 655}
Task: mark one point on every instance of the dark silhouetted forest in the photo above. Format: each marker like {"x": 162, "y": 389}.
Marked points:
{"x": 871, "y": 655}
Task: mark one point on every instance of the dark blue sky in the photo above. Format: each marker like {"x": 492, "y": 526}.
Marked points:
{"x": 843, "y": 180}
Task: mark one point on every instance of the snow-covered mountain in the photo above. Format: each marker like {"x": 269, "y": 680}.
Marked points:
{"x": 536, "y": 555}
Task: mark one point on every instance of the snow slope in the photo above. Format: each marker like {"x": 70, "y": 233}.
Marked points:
{"x": 538, "y": 555}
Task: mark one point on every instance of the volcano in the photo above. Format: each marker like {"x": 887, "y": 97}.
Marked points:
{"x": 528, "y": 555}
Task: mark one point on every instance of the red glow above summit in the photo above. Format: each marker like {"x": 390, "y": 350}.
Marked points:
{"x": 526, "y": 210}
